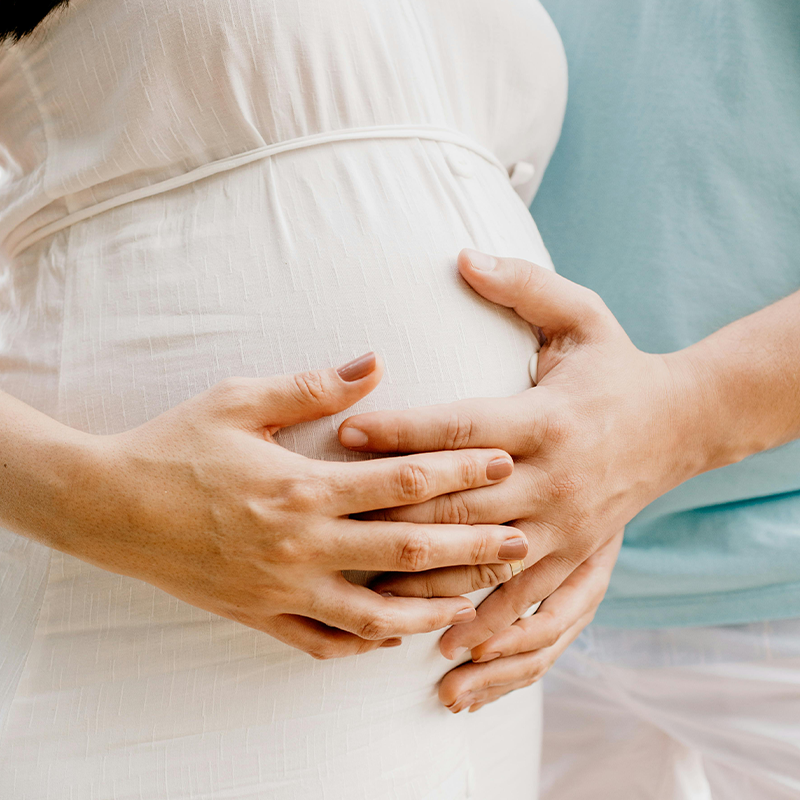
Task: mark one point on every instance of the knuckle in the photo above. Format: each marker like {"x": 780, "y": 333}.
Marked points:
{"x": 311, "y": 387}
{"x": 286, "y": 550}
{"x": 489, "y": 575}
{"x": 484, "y": 547}
{"x": 415, "y": 552}
{"x": 562, "y": 486}
{"x": 538, "y": 666}
{"x": 453, "y": 510}
{"x": 533, "y": 279}
{"x": 378, "y": 626}
{"x": 302, "y": 494}
{"x": 457, "y": 431}
{"x": 414, "y": 482}
{"x": 551, "y": 630}
{"x": 520, "y": 602}
{"x": 322, "y": 651}
{"x": 470, "y": 471}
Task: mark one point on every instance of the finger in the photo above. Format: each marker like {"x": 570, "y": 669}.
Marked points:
{"x": 321, "y": 641}
{"x": 282, "y": 400}
{"x": 448, "y": 582}
{"x": 382, "y": 483}
{"x": 505, "y": 501}
{"x": 514, "y": 424}
{"x": 494, "y": 693}
{"x": 406, "y": 547}
{"x": 577, "y": 598}
{"x": 469, "y": 683}
{"x": 464, "y": 578}
{"x": 368, "y": 615}
{"x": 507, "y": 604}
{"x": 538, "y": 295}
{"x": 476, "y": 700}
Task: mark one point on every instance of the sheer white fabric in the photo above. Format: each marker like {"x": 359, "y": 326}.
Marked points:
{"x": 678, "y": 713}
{"x": 158, "y": 236}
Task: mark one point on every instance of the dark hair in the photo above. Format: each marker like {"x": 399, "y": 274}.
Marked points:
{"x": 20, "y": 17}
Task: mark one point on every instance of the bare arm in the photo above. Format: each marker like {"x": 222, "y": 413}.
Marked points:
{"x": 202, "y": 503}
{"x": 606, "y": 431}
{"x": 747, "y": 384}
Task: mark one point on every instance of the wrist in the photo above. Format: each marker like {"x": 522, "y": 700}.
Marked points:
{"x": 45, "y": 466}
{"x": 703, "y": 430}
{"x": 72, "y": 490}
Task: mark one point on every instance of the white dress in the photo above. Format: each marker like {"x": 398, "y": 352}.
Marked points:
{"x": 194, "y": 190}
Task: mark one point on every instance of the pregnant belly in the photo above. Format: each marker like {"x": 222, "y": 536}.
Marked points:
{"x": 299, "y": 262}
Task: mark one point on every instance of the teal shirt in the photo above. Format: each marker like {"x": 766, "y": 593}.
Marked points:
{"x": 675, "y": 194}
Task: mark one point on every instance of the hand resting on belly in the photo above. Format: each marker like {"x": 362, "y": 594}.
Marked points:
{"x": 201, "y": 502}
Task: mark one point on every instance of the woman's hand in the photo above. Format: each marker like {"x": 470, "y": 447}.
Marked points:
{"x": 607, "y": 429}
{"x": 202, "y": 503}
{"x": 520, "y": 654}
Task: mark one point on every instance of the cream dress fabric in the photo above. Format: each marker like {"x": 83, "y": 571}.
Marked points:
{"x": 194, "y": 190}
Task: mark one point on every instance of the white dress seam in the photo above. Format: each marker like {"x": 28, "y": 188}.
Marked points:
{"x": 14, "y": 246}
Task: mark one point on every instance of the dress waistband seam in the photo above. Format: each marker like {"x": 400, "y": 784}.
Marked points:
{"x": 430, "y": 133}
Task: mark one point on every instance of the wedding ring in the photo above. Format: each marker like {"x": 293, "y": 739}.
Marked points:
{"x": 516, "y": 567}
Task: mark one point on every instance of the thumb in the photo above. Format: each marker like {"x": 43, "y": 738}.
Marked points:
{"x": 538, "y": 295}
{"x": 284, "y": 400}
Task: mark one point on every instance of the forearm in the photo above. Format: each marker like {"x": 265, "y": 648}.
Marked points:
{"x": 41, "y": 469}
{"x": 744, "y": 394}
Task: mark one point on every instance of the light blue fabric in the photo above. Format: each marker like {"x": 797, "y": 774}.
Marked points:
{"x": 675, "y": 194}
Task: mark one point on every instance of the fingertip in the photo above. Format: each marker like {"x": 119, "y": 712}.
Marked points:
{"x": 464, "y": 615}
{"x": 367, "y": 365}
{"x": 474, "y": 261}
{"x": 482, "y": 659}
{"x": 351, "y": 437}
{"x": 499, "y": 468}
{"x": 455, "y": 654}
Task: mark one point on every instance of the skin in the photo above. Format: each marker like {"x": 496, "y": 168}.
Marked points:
{"x": 607, "y": 430}
{"x": 204, "y": 504}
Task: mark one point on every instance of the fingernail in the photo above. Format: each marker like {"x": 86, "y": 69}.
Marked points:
{"x": 465, "y": 615}
{"x": 499, "y": 468}
{"x": 513, "y": 549}
{"x": 392, "y": 643}
{"x": 481, "y": 261}
{"x": 457, "y": 653}
{"x": 461, "y": 702}
{"x": 486, "y": 657}
{"x": 358, "y": 368}
{"x": 353, "y": 437}
{"x": 386, "y": 594}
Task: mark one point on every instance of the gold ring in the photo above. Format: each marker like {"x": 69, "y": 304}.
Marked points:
{"x": 517, "y": 567}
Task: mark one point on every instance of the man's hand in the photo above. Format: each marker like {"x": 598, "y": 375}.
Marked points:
{"x": 607, "y": 429}
{"x": 519, "y": 655}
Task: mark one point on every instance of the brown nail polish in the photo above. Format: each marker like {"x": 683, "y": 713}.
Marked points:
{"x": 499, "y": 468}
{"x": 486, "y": 657}
{"x": 395, "y": 642}
{"x": 358, "y": 368}
{"x": 513, "y": 549}
{"x": 465, "y": 615}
